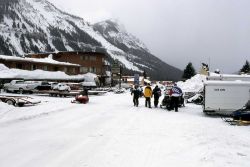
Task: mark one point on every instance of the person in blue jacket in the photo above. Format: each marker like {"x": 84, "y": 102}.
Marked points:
{"x": 157, "y": 94}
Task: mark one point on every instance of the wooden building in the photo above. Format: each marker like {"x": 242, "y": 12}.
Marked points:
{"x": 93, "y": 62}
{"x": 46, "y": 64}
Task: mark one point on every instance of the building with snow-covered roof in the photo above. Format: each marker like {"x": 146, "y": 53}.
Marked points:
{"x": 46, "y": 64}
{"x": 93, "y": 62}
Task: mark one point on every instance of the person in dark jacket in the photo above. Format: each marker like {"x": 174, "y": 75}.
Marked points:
{"x": 136, "y": 92}
{"x": 175, "y": 93}
{"x": 157, "y": 94}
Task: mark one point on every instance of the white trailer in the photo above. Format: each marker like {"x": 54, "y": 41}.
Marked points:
{"x": 224, "y": 97}
{"x": 227, "y": 77}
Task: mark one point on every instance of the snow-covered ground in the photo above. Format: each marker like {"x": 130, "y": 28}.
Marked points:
{"x": 110, "y": 132}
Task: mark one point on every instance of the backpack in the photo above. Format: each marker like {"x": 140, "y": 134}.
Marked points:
{"x": 159, "y": 92}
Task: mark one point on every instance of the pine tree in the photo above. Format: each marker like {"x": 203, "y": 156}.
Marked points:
{"x": 246, "y": 68}
{"x": 189, "y": 71}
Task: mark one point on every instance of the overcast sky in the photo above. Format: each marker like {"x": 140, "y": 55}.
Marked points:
{"x": 216, "y": 32}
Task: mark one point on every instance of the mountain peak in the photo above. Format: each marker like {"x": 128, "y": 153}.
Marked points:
{"x": 116, "y": 33}
{"x": 36, "y": 26}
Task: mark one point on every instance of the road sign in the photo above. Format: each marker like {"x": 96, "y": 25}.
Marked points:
{"x": 115, "y": 76}
{"x": 115, "y": 69}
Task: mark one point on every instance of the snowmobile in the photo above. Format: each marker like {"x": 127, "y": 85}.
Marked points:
{"x": 166, "y": 102}
{"x": 196, "y": 99}
{"x": 239, "y": 117}
{"x": 81, "y": 98}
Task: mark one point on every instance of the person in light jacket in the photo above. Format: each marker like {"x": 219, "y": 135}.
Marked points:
{"x": 148, "y": 94}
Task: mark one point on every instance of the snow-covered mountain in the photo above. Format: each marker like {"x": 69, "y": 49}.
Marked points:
{"x": 37, "y": 26}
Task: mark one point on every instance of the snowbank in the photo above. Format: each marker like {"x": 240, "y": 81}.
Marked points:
{"x": 194, "y": 84}
{"x": 4, "y": 108}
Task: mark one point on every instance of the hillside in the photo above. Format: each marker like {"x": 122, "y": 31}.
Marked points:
{"x": 37, "y": 26}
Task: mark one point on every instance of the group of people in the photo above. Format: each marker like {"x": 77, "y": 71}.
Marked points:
{"x": 148, "y": 93}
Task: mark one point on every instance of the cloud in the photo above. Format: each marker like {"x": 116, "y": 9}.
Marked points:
{"x": 180, "y": 31}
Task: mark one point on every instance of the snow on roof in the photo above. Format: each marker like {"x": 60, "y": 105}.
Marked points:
{"x": 89, "y": 77}
{"x": 237, "y": 82}
{"x": 88, "y": 83}
{"x": 3, "y": 67}
{"x": 36, "y": 74}
{"x": 47, "y": 60}
{"x": 229, "y": 75}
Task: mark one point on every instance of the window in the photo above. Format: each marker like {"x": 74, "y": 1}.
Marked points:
{"x": 33, "y": 67}
{"x": 92, "y": 58}
{"x": 65, "y": 69}
{"x": 82, "y": 57}
{"x": 86, "y": 57}
{"x": 73, "y": 70}
{"x": 19, "y": 82}
{"x": 56, "y": 68}
{"x": 98, "y": 70}
{"x": 19, "y": 66}
{"x": 45, "y": 68}
{"x": 83, "y": 69}
{"x": 92, "y": 69}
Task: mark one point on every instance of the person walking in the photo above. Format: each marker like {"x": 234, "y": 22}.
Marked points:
{"x": 136, "y": 94}
{"x": 148, "y": 94}
{"x": 157, "y": 94}
{"x": 175, "y": 93}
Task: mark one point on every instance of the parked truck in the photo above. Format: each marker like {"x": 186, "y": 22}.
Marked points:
{"x": 224, "y": 97}
{"x": 20, "y": 86}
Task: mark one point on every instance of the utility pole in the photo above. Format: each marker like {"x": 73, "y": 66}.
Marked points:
{"x": 120, "y": 80}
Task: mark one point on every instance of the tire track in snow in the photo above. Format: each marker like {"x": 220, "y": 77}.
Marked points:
{"x": 30, "y": 117}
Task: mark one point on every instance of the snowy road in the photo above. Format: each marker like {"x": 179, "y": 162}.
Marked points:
{"x": 110, "y": 132}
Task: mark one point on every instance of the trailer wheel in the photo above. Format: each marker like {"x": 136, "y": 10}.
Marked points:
{"x": 10, "y": 102}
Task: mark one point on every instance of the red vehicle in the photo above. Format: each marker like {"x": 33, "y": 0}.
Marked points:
{"x": 82, "y": 97}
